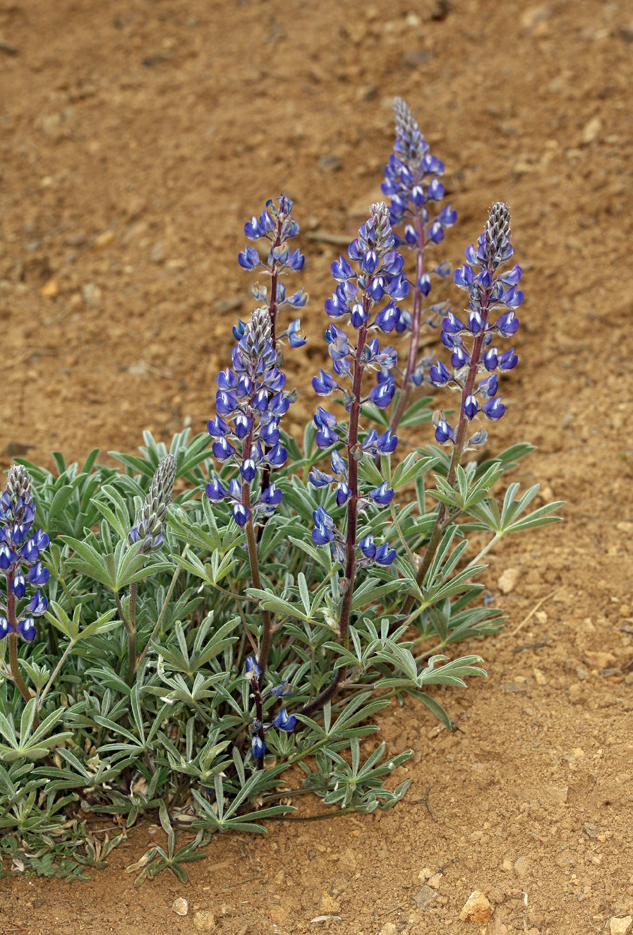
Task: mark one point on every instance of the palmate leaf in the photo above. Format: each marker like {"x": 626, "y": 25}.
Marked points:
{"x": 488, "y": 516}
{"x": 30, "y": 745}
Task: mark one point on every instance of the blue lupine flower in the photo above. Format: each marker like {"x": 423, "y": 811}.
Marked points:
{"x": 30, "y": 552}
{"x": 215, "y": 490}
{"x": 296, "y": 337}
{"x": 258, "y": 748}
{"x": 459, "y": 358}
{"x": 508, "y": 360}
{"x": 248, "y": 470}
{"x": 222, "y": 450}
{"x": 240, "y": 514}
{"x": 443, "y": 432}
{"x": 493, "y": 409}
{"x": 367, "y": 547}
{"x": 271, "y": 497}
{"x": 38, "y": 575}
{"x": 38, "y": 604}
{"x": 20, "y": 550}
{"x": 323, "y": 531}
{"x": 284, "y": 721}
{"x": 323, "y": 385}
{"x": 342, "y": 493}
{"x": 490, "y": 359}
{"x": 7, "y": 557}
{"x": 507, "y": 324}
{"x": 385, "y": 555}
{"x": 26, "y": 628}
{"x": 382, "y": 394}
{"x": 277, "y": 456}
{"x": 249, "y": 259}
{"x": 18, "y": 586}
{"x": 470, "y": 407}
{"x": 337, "y": 464}
{"x": 252, "y": 669}
{"x": 424, "y": 283}
{"x": 319, "y": 479}
{"x": 382, "y": 495}
{"x": 440, "y": 375}
{"x": 488, "y": 388}
{"x": 282, "y": 690}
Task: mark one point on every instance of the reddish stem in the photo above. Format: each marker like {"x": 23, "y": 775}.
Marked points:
{"x": 13, "y": 644}
{"x": 415, "y": 324}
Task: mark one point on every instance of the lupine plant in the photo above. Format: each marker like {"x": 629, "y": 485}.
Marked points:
{"x": 245, "y": 601}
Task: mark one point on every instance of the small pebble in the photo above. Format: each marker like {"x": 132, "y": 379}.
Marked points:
{"x": 476, "y": 909}
{"x": 180, "y": 906}
{"x": 508, "y": 580}
{"x": 620, "y": 926}
{"x": 204, "y": 920}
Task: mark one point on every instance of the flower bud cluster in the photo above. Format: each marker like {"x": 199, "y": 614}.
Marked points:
{"x": 250, "y": 403}
{"x": 20, "y": 550}
{"x": 148, "y": 524}
{"x": 470, "y": 341}
{"x": 276, "y": 225}
{"x": 412, "y": 182}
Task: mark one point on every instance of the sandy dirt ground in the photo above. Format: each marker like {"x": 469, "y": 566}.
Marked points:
{"x": 136, "y": 138}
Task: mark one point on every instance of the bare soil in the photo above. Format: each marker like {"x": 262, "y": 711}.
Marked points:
{"x": 136, "y": 139}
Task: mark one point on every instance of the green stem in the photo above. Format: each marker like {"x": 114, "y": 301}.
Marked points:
{"x": 163, "y": 611}
{"x": 55, "y": 674}
{"x": 15, "y": 669}
{"x": 415, "y": 324}
{"x": 396, "y": 523}
{"x": 130, "y": 629}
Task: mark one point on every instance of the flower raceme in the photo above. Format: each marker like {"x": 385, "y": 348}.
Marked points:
{"x": 20, "y": 550}
{"x": 147, "y": 531}
{"x": 365, "y": 299}
{"x": 413, "y": 185}
{"x": 277, "y": 226}
{"x": 470, "y": 341}
{"x": 250, "y": 403}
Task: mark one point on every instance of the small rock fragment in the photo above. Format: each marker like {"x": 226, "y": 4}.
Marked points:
{"x": 591, "y": 130}
{"x": 497, "y": 927}
{"x": 330, "y": 163}
{"x": 204, "y": 920}
{"x": 425, "y": 874}
{"x": 540, "y": 677}
{"x": 157, "y": 253}
{"x": 389, "y": 928}
{"x": 600, "y": 660}
{"x": 553, "y": 795}
{"x": 104, "y": 239}
{"x": 476, "y": 909}
{"x": 620, "y": 926}
{"x": 521, "y": 867}
{"x": 424, "y": 897}
{"x": 508, "y": 580}
{"x": 49, "y": 289}
{"x": 180, "y": 906}
{"x": 92, "y": 294}
{"x": 329, "y": 904}
{"x": 435, "y": 880}
{"x": 507, "y": 865}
